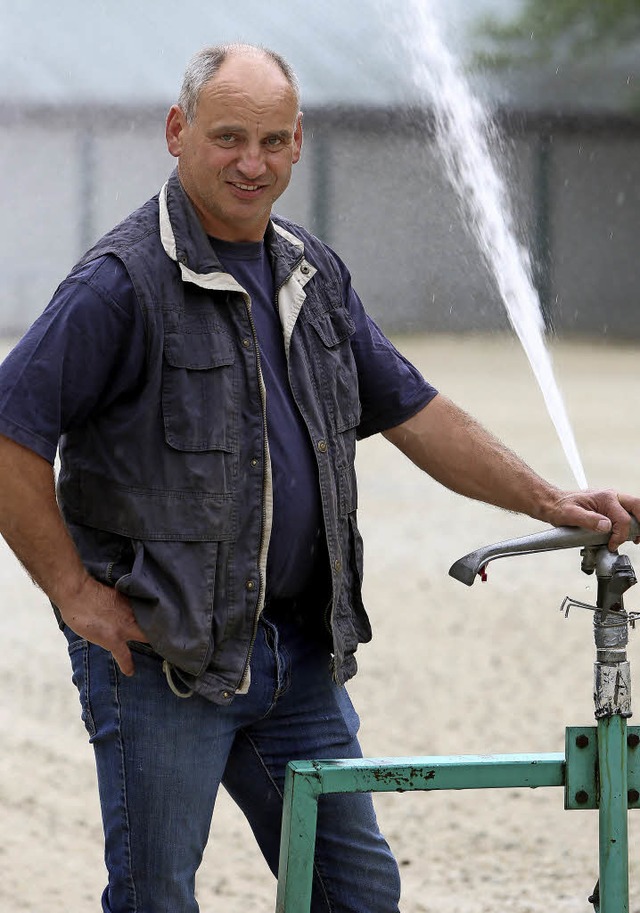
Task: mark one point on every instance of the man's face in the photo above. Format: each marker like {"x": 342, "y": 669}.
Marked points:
{"x": 235, "y": 158}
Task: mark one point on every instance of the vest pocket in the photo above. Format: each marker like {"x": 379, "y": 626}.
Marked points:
{"x": 361, "y": 623}
{"x": 154, "y": 514}
{"x": 337, "y": 366}
{"x": 199, "y": 392}
{"x": 347, "y": 489}
{"x": 171, "y": 588}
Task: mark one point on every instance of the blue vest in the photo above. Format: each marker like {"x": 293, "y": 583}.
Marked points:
{"x": 168, "y": 493}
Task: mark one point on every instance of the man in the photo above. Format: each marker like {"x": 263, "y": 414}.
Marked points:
{"x": 206, "y": 369}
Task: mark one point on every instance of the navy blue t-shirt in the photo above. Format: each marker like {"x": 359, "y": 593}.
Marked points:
{"x": 88, "y": 349}
{"x": 83, "y": 352}
{"x": 296, "y": 547}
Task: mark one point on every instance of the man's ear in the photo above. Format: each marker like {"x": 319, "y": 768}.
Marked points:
{"x": 175, "y": 127}
{"x": 297, "y": 139}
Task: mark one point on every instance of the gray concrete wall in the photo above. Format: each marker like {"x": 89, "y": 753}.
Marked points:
{"x": 397, "y": 224}
{"x": 578, "y": 210}
{"x": 62, "y": 187}
{"x": 373, "y": 187}
{"x": 595, "y": 200}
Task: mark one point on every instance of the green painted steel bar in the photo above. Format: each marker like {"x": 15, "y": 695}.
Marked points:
{"x": 298, "y": 839}
{"x": 306, "y": 780}
{"x": 576, "y": 770}
{"x": 438, "y": 772}
{"x": 633, "y": 766}
{"x": 613, "y": 830}
{"x": 606, "y": 775}
{"x": 581, "y": 775}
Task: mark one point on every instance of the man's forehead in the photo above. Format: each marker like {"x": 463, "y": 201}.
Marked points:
{"x": 230, "y": 99}
{"x": 230, "y": 92}
{"x": 250, "y": 72}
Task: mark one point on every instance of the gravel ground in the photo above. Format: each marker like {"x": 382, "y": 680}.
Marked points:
{"x": 452, "y": 670}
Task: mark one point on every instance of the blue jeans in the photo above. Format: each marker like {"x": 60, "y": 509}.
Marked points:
{"x": 160, "y": 760}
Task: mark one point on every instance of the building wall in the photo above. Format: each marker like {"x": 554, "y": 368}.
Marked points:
{"x": 595, "y": 199}
{"x": 575, "y": 194}
{"x": 37, "y": 222}
{"x": 371, "y": 185}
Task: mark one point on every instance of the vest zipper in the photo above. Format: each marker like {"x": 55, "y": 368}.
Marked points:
{"x": 266, "y": 474}
{"x": 327, "y": 612}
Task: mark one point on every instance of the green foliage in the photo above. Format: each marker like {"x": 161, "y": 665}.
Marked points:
{"x": 553, "y": 29}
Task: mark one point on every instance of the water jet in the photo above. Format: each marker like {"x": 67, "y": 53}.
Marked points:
{"x": 467, "y": 140}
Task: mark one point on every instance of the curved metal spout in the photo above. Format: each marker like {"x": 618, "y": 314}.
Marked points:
{"x": 466, "y": 569}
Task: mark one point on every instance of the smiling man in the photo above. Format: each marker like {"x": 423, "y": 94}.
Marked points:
{"x": 205, "y": 371}
{"x": 237, "y": 146}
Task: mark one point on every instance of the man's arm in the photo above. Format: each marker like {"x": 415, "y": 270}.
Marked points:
{"x": 454, "y": 449}
{"x": 34, "y": 529}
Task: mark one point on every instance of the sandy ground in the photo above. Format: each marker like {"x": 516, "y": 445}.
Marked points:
{"x": 452, "y": 670}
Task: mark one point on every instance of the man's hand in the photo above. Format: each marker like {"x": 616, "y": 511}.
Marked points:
{"x": 602, "y": 511}
{"x": 104, "y": 616}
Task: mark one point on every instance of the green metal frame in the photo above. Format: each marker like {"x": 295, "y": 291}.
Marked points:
{"x": 588, "y": 750}
{"x": 600, "y": 767}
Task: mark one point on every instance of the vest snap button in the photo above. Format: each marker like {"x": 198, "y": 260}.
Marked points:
{"x": 246, "y": 343}
{"x": 304, "y": 269}
{"x": 250, "y": 585}
{"x": 322, "y": 446}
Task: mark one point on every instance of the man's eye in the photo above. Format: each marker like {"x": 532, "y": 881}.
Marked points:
{"x": 226, "y": 138}
{"x": 274, "y": 141}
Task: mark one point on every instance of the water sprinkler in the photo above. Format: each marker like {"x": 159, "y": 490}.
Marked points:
{"x": 615, "y": 574}
{"x": 475, "y": 563}
{"x": 598, "y": 771}
{"x": 600, "y": 767}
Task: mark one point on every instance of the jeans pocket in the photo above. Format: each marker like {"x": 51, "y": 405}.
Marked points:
{"x": 79, "y": 655}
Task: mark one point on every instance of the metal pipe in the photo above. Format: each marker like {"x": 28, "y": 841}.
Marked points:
{"x": 467, "y": 568}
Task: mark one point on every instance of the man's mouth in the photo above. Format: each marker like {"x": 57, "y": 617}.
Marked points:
{"x": 246, "y": 187}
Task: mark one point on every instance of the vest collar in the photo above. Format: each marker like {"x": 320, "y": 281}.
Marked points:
{"x": 185, "y": 241}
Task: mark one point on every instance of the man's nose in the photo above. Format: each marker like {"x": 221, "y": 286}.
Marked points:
{"x": 251, "y": 162}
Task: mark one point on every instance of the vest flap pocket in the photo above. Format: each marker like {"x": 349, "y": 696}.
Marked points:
{"x": 333, "y": 327}
{"x": 335, "y": 364}
{"x": 199, "y": 392}
{"x": 150, "y": 513}
{"x": 198, "y": 351}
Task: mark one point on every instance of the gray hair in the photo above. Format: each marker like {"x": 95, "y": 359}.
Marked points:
{"x": 204, "y": 65}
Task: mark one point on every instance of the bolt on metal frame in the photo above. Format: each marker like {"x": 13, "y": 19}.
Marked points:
{"x": 600, "y": 767}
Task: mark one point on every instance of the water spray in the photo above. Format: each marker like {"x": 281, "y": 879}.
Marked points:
{"x": 466, "y": 138}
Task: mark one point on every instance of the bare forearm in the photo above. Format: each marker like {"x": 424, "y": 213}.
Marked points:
{"x": 453, "y": 448}
{"x": 459, "y": 453}
{"x": 32, "y": 526}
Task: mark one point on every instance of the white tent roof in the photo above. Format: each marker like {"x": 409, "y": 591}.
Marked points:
{"x": 344, "y": 51}
{"x": 132, "y": 52}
